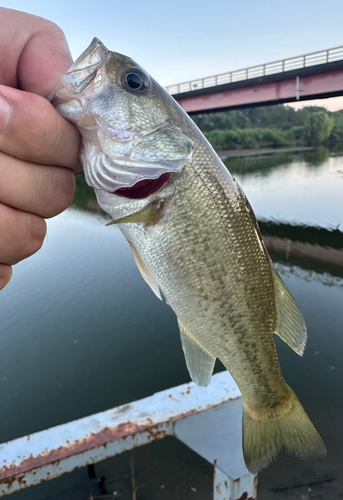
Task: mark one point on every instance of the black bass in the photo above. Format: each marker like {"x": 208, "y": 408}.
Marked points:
{"x": 194, "y": 238}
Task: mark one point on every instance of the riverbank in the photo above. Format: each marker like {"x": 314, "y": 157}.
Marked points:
{"x": 224, "y": 154}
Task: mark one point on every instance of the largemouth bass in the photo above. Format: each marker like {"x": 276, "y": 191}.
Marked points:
{"x": 194, "y": 238}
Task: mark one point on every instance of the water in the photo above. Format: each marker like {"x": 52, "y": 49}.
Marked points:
{"x": 81, "y": 332}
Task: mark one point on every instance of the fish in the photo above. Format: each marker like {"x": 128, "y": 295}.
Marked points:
{"x": 194, "y": 238}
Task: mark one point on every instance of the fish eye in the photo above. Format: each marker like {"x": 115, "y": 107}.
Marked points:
{"x": 135, "y": 80}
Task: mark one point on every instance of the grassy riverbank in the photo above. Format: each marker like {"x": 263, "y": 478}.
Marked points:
{"x": 272, "y": 127}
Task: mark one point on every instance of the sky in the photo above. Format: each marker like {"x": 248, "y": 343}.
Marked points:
{"x": 182, "y": 40}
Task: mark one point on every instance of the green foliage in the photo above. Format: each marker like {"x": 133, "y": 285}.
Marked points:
{"x": 222, "y": 120}
{"x": 272, "y": 126}
{"x": 318, "y": 127}
{"x": 84, "y": 197}
{"x": 336, "y": 136}
{"x": 249, "y": 138}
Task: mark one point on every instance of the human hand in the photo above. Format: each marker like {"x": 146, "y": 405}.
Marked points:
{"x": 35, "y": 141}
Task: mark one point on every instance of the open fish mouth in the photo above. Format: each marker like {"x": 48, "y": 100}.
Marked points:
{"x": 144, "y": 188}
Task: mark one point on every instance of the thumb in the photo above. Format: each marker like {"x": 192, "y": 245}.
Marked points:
{"x": 34, "y": 52}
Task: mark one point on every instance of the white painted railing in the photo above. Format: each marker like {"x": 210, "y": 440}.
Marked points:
{"x": 208, "y": 420}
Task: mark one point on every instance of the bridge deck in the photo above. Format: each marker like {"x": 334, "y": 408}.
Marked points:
{"x": 312, "y": 76}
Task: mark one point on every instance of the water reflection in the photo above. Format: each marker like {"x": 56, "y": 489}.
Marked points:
{"x": 81, "y": 332}
{"x": 301, "y": 192}
{"x": 264, "y": 164}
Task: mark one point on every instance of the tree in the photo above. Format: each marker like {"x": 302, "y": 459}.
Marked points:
{"x": 318, "y": 127}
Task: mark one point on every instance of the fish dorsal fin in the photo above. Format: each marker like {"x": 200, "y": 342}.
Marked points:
{"x": 199, "y": 362}
{"x": 146, "y": 274}
{"x": 290, "y": 325}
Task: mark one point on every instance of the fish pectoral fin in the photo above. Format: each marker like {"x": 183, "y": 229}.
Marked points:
{"x": 290, "y": 325}
{"x": 199, "y": 362}
{"x": 146, "y": 215}
{"x": 146, "y": 274}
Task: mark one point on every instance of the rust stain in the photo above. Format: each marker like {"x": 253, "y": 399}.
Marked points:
{"x": 218, "y": 489}
{"x": 102, "y": 438}
{"x": 172, "y": 397}
{"x": 11, "y": 480}
{"x": 245, "y": 497}
{"x": 154, "y": 435}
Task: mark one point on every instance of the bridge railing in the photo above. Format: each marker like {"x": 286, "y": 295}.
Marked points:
{"x": 304, "y": 61}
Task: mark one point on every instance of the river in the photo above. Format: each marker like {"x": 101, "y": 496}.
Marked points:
{"x": 81, "y": 332}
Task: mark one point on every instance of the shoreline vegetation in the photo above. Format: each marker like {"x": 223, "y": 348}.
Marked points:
{"x": 224, "y": 154}
{"x": 272, "y": 127}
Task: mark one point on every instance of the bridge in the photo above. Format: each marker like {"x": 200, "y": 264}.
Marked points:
{"x": 312, "y": 76}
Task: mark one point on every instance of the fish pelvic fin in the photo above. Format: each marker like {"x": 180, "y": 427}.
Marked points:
{"x": 283, "y": 428}
{"x": 199, "y": 362}
{"x": 146, "y": 215}
{"x": 146, "y": 274}
{"x": 290, "y": 325}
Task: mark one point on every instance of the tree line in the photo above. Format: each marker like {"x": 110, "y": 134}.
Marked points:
{"x": 272, "y": 126}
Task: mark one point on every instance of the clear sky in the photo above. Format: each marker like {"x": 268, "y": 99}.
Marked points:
{"x": 180, "y": 40}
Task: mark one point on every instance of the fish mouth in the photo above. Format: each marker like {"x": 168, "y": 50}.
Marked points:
{"x": 144, "y": 188}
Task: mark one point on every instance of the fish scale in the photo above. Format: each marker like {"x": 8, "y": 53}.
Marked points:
{"x": 162, "y": 245}
{"x": 194, "y": 237}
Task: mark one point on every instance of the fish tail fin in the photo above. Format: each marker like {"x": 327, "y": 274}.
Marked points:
{"x": 283, "y": 428}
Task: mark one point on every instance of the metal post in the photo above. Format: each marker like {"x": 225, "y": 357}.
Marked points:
{"x": 225, "y": 488}
{"x": 297, "y": 88}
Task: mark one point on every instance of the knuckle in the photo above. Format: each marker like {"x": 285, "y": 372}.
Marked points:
{"x": 22, "y": 234}
{"x": 60, "y": 192}
{"x": 56, "y": 39}
{"x": 31, "y": 236}
{"x": 53, "y": 28}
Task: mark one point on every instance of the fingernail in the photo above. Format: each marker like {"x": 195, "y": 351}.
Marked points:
{"x": 5, "y": 113}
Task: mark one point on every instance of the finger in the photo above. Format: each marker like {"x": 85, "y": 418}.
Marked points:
{"x": 41, "y": 190}
{"x": 21, "y": 234}
{"x": 34, "y": 52}
{"x": 31, "y": 129}
{"x": 5, "y": 275}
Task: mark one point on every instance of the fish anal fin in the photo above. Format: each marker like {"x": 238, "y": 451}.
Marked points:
{"x": 146, "y": 274}
{"x": 290, "y": 325}
{"x": 199, "y": 362}
{"x": 146, "y": 215}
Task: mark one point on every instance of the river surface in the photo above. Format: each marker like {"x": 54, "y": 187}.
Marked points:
{"x": 81, "y": 332}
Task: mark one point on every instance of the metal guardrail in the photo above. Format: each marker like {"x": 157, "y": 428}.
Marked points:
{"x": 304, "y": 61}
{"x": 208, "y": 420}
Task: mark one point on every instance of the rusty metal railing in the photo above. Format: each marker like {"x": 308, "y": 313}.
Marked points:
{"x": 304, "y": 61}
{"x": 208, "y": 420}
